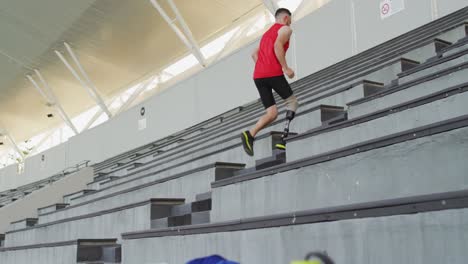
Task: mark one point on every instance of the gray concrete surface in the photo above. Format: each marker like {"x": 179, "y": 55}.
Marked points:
{"x": 411, "y": 93}
{"x": 454, "y": 35}
{"x": 237, "y": 155}
{"x": 454, "y": 50}
{"x": 45, "y": 255}
{"x": 51, "y": 194}
{"x": 422, "y": 166}
{"x": 434, "y": 69}
{"x": 426, "y": 238}
{"x": 384, "y": 75}
{"x": 185, "y": 187}
{"x": 437, "y": 111}
{"x": 421, "y": 54}
{"x": 300, "y": 124}
{"x": 107, "y": 225}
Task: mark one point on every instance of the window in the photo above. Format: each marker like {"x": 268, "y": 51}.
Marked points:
{"x": 260, "y": 24}
{"x": 217, "y": 45}
{"x": 180, "y": 66}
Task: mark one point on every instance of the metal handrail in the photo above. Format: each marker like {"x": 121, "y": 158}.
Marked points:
{"x": 76, "y": 167}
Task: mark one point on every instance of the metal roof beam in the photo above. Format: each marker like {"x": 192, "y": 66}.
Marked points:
{"x": 93, "y": 119}
{"x": 299, "y": 7}
{"x": 235, "y": 39}
{"x": 51, "y": 99}
{"x": 90, "y": 85}
{"x": 186, "y": 38}
{"x": 87, "y": 84}
{"x": 135, "y": 95}
{"x": 13, "y": 143}
{"x": 271, "y": 5}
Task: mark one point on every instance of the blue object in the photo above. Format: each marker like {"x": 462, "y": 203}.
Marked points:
{"x": 215, "y": 259}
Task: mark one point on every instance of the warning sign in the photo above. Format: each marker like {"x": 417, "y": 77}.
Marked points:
{"x": 391, "y": 7}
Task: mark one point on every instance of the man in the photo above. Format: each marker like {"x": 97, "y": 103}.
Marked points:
{"x": 270, "y": 68}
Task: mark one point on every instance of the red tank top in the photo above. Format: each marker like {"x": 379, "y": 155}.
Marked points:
{"x": 267, "y": 64}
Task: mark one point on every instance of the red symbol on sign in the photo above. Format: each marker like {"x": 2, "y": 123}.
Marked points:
{"x": 385, "y": 9}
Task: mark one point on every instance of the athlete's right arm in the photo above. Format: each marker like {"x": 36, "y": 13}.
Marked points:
{"x": 284, "y": 34}
{"x": 255, "y": 54}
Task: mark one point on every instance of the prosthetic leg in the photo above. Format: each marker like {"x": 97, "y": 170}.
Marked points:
{"x": 291, "y": 106}
{"x": 289, "y": 117}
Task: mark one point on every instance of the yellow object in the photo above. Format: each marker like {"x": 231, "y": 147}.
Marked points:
{"x": 307, "y": 262}
{"x": 247, "y": 141}
{"x": 281, "y": 146}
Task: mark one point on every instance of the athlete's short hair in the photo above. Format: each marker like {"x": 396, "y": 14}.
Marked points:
{"x": 282, "y": 11}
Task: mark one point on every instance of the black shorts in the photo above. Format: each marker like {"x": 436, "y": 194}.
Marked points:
{"x": 266, "y": 85}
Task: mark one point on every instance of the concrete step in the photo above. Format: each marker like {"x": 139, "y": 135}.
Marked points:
{"x": 226, "y": 170}
{"x": 199, "y": 218}
{"x": 162, "y": 208}
{"x": 201, "y": 206}
{"x": 96, "y": 184}
{"x": 303, "y": 108}
{"x": 68, "y": 199}
{"x": 454, "y": 48}
{"x": 352, "y": 92}
{"x": 426, "y": 227}
{"x": 446, "y": 104}
{"x": 207, "y": 153}
{"x": 188, "y": 185}
{"x": 100, "y": 174}
{"x": 424, "y": 86}
{"x": 184, "y": 214}
{"x": 407, "y": 64}
{"x": 101, "y": 177}
{"x": 455, "y": 34}
{"x": 135, "y": 165}
{"x": 109, "y": 222}
{"x": 182, "y": 209}
{"x": 355, "y": 91}
{"x": 420, "y": 161}
{"x": 332, "y": 114}
{"x": 203, "y": 196}
{"x": 426, "y": 52}
{"x": 390, "y": 72}
{"x": 98, "y": 251}
{"x": 193, "y": 207}
{"x": 140, "y": 154}
{"x": 434, "y": 66}
{"x": 119, "y": 164}
{"x": 2, "y": 240}
{"x": 181, "y": 220}
{"x": 51, "y": 208}
{"x": 23, "y": 223}
{"x": 266, "y": 148}
{"x": 189, "y": 219}
{"x": 221, "y": 170}
{"x": 279, "y": 157}
{"x": 158, "y": 152}
{"x": 349, "y": 92}
{"x": 159, "y": 223}
{"x": 441, "y": 44}
{"x": 446, "y": 34}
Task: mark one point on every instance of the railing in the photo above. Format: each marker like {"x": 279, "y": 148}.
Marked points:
{"x": 76, "y": 167}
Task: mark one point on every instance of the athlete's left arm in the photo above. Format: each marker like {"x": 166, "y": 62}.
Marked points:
{"x": 284, "y": 34}
{"x": 255, "y": 54}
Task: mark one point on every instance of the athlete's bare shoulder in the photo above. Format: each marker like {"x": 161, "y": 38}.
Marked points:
{"x": 285, "y": 32}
